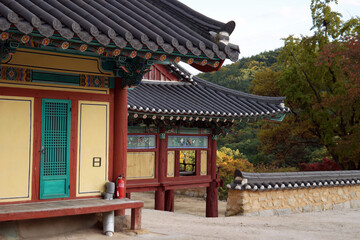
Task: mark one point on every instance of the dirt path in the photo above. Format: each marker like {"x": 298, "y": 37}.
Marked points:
{"x": 188, "y": 223}
{"x": 328, "y": 225}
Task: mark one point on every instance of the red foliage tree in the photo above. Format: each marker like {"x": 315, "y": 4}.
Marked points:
{"x": 343, "y": 100}
{"x": 325, "y": 165}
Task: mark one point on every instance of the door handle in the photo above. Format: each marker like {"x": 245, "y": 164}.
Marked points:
{"x": 42, "y": 149}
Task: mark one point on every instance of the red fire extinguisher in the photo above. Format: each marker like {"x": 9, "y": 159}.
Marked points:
{"x": 120, "y": 186}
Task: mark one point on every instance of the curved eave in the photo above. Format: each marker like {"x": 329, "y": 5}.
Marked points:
{"x": 138, "y": 25}
{"x": 198, "y": 100}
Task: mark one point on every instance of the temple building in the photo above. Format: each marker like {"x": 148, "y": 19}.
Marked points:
{"x": 91, "y": 90}
{"x": 174, "y": 120}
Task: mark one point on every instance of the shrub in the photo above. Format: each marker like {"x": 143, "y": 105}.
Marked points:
{"x": 325, "y": 165}
{"x": 272, "y": 167}
{"x": 229, "y": 160}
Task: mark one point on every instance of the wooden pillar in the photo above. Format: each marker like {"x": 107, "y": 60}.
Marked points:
{"x": 169, "y": 200}
{"x": 162, "y": 171}
{"x": 135, "y": 219}
{"x": 120, "y": 134}
{"x": 160, "y": 199}
{"x": 212, "y": 194}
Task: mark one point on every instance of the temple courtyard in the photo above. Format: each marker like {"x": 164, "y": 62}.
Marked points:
{"x": 188, "y": 223}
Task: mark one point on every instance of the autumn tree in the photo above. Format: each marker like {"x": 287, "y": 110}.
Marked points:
{"x": 318, "y": 83}
{"x": 343, "y": 102}
{"x": 228, "y": 161}
{"x": 291, "y": 142}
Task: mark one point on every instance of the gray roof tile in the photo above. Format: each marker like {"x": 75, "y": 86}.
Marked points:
{"x": 290, "y": 180}
{"x": 200, "y": 98}
{"x": 155, "y": 24}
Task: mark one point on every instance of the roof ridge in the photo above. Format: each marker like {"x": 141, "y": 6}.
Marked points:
{"x": 293, "y": 180}
{"x": 148, "y": 81}
{"x": 226, "y": 90}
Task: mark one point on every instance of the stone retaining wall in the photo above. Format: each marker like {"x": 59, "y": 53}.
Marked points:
{"x": 286, "y": 201}
{"x": 192, "y": 192}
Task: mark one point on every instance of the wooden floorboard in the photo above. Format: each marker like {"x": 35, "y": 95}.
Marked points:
{"x": 64, "y": 208}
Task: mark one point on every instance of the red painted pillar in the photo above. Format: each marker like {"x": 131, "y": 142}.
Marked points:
{"x": 120, "y": 133}
{"x": 212, "y": 194}
{"x": 162, "y": 171}
{"x": 169, "y": 200}
{"x": 160, "y": 199}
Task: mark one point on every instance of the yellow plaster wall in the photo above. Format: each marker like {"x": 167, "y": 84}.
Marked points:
{"x": 93, "y": 142}
{"x": 140, "y": 165}
{"x": 16, "y": 139}
{"x": 203, "y": 166}
{"x": 170, "y": 163}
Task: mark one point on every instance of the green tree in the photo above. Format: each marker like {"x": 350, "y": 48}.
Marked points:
{"x": 243, "y": 138}
{"x": 291, "y": 142}
{"x": 266, "y": 83}
{"x": 313, "y": 86}
{"x": 288, "y": 143}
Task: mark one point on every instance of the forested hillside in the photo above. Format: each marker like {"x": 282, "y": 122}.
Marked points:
{"x": 239, "y": 75}
{"x": 320, "y": 77}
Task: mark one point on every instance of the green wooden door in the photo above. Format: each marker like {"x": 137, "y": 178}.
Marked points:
{"x": 55, "y": 149}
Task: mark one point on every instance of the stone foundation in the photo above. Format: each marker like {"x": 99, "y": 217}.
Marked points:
{"x": 281, "y": 202}
{"x": 192, "y": 192}
{"x": 49, "y": 227}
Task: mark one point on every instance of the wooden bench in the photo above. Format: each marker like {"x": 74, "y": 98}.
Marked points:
{"x": 48, "y": 209}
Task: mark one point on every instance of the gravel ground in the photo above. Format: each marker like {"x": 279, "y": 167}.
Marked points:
{"x": 329, "y": 225}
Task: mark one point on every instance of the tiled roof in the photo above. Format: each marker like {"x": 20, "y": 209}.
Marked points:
{"x": 154, "y": 24}
{"x": 293, "y": 180}
{"x": 197, "y": 97}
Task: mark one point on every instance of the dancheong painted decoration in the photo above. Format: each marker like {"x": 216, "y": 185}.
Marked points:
{"x": 187, "y": 142}
{"x": 141, "y": 141}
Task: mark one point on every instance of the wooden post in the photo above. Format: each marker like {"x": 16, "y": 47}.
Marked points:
{"x": 135, "y": 219}
{"x": 212, "y": 194}
{"x": 160, "y": 199}
{"x": 162, "y": 171}
{"x": 169, "y": 200}
{"x": 212, "y": 200}
{"x": 120, "y": 134}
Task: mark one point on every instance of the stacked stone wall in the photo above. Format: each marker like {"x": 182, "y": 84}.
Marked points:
{"x": 280, "y": 202}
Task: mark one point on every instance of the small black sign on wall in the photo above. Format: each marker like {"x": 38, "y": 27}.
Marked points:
{"x": 96, "y": 161}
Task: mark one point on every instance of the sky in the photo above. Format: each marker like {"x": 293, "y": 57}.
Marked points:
{"x": 261, "y": 24}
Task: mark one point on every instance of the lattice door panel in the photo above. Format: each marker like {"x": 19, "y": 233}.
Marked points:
{"x": 55, "y": 143}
